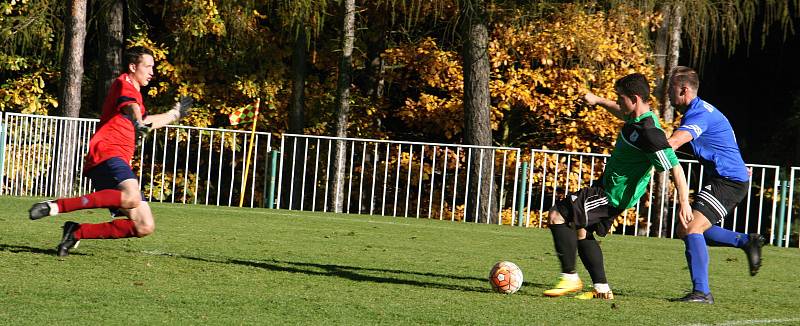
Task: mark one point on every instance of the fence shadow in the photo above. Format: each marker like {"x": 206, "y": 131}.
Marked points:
{"x": 355, "y": 273}
{"x": 27, "y": 249}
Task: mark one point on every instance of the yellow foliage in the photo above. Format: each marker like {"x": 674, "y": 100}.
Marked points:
{"x": 26, "y": 94}
{"x": 539, "y": 71}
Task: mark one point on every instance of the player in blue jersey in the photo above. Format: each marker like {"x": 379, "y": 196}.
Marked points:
{"x": 726, "y": 182}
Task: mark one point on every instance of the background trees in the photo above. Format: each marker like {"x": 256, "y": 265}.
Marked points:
{"x": 408, "y": 80}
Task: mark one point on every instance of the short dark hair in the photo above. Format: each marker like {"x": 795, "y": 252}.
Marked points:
{"x": 682, "y": 75}
{"x": 134, "y": 56}
{"x": 634, "y": 84}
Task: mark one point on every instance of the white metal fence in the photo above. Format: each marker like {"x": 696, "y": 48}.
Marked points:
{"x": 398, "y": 178}
{"x": 793, "y": 199}
{"x": 42, "y": 156}
{"x": 553, "y": 174}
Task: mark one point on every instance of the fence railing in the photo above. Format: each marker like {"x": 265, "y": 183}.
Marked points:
{"x": 204, "y": 166}
{"x": 792, "y": 200}
{"x": 43, "y": 156}
{"x": 553, "y": 174}
{"x": 398, "y": 178}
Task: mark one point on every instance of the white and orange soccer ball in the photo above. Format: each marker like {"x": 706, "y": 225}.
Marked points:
{"x": 505, "y": 277}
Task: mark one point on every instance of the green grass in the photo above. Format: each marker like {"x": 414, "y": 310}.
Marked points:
{"x": 212, "y": 265}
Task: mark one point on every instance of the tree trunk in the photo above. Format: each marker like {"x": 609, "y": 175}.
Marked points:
{"x": 69, "y": 96}
{"x": 110, "y": 47}
{"x": 673, "y": 49}
{"x": 477, "y": 127}
{"x": 661, "y": 50}
{"x": 667, "y": 52}
{"x": 72, "y": 64}
{"x": 375, "y": 65}
{"x": 295, "y": 151}
{"x": 297, "y": 111}
{"x": 343, "y": 104}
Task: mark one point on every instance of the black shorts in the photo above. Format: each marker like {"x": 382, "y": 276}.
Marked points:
{"x": 588, "y": 208}
{"x": 718, "y": 198}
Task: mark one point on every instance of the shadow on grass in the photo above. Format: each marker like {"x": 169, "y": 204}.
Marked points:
{"x": 41, "y": 251}
{"x": 354, "y": 273}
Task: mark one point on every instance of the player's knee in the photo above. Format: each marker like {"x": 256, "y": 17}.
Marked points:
{"x": 581, "y": 233}
{"x": 143, "y": 230}
{"x": 554, "y": 217}
{"x": 695, "y": 229}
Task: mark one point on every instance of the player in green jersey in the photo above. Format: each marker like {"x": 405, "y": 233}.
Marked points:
{"x": 641, "y": 145}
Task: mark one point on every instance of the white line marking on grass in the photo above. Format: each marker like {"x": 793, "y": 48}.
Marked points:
{"x": 751, "y": 322}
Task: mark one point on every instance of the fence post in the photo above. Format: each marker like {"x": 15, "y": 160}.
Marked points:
{"x": 523, "y": 183}
{"x": 2, "y": 153}
{"x": 272, "y": 173}
{"x": 782, "y": 213}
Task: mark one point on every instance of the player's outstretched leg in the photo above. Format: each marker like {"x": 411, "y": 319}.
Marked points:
{"x": 592, "y": 258}
{"x": 108, "y": 198}
{"x": 750, "y": 243}
{"x": 42, "y": 209}
{"x": 566, "y": 242}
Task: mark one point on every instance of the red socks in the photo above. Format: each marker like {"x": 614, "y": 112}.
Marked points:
{"x": 116, "y": 229}
{"x": 109, "y": 198}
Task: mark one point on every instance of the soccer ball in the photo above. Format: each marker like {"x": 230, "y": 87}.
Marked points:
{"x": 505, "y": 277}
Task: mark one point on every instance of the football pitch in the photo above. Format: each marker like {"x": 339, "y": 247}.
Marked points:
{"x": 215, "y": 265}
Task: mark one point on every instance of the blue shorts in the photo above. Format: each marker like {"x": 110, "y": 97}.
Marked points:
{"x": 110, "y": 173}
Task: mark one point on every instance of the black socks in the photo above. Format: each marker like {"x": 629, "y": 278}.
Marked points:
{"x": 592, "y": 258}
{"x": 566, "y": 244}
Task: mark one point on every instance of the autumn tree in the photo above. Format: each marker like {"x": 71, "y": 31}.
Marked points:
{"x": 477, "y": 122}
{"x": 110, "y": 47}
{"x": 72, "y": 66}
{"x": 343, "y": 102}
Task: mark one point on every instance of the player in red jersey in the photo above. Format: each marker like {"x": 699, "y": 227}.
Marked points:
{"x": 107, "y": 164}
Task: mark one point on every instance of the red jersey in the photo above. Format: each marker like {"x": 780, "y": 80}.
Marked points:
{"x": 115, "y": 135}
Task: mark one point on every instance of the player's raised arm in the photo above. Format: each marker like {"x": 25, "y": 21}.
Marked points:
{"x": 609, "y": 105}
{"x": 180, "y": 110}
{"x": 678, "y": 138}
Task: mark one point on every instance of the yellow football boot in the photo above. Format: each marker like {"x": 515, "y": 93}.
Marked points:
{"x": 565, "y": 286}
{"x": 595, "y": 295}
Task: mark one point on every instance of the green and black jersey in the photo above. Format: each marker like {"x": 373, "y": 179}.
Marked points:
{"x": 640, "y": 146}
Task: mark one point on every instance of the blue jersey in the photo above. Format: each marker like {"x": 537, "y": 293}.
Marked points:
{"x": 713, "y": 141}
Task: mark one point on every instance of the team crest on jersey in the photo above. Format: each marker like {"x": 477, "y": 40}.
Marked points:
{"x": 707, "y": 187}
{"x": 634, "y": 136}
{"x": 573, "y": 197}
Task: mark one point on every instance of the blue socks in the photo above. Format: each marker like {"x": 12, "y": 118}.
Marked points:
{"x": 725, "y": 238}
{"x": 697, "y": 258}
